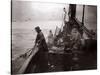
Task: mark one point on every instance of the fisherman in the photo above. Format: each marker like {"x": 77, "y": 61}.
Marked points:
{"x": 50, "y": 39}
{"x": 75, "y": 38}
{"x": 66, "y": 15}
{"x": 42, "y": 63}
{"x": 72, "y": 43}
{"x": 67, "y": 25}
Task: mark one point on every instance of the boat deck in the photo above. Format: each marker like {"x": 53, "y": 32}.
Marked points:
{"x": 60, "y": 61}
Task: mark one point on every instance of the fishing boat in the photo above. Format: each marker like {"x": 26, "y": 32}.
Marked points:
{"x": 65, "y": 60}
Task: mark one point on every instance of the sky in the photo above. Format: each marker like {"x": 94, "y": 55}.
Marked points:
{"x": 44, "y": 11}
{"x": 23, "y": 10}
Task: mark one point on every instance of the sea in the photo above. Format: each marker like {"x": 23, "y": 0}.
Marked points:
{"x": 24, "y": 34}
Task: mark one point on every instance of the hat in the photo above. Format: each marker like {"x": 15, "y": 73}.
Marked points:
{"x": 38, "y": 28}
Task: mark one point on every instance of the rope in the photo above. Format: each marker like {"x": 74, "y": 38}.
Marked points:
{"x": 26, "y": 53}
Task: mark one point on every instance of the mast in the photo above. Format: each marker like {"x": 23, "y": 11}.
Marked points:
{"x": 72, "y": 8}
{"x": 83, "y": 15}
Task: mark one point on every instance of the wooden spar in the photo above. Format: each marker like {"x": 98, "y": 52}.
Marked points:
{"x": 83, "y": 27}
{"x": 83, "y": 15}
{"x": 62, "y": 22}
{"x": 55, "y": 31}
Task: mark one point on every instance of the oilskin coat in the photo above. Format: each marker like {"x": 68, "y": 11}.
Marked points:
{"x": 42, "y": 54}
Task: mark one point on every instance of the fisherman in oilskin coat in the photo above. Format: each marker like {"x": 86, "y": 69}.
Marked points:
{"x": 41, "y": 56}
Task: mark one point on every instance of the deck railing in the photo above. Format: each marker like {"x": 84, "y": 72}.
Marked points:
{"x": 27, "y": 61}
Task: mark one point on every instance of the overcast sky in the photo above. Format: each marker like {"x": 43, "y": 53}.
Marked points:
{"x": 37, "y": 11}
{"x": 22, "y": 10}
